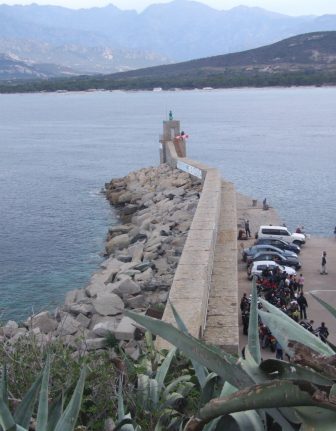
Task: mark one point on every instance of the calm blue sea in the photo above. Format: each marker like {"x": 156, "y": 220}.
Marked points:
{"x": 58, "y": 150}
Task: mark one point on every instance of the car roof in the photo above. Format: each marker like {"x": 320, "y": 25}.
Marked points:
{"x": 273, "y": 227}
{"x": 266, "y": 263}
{"x": 272, "y": 253}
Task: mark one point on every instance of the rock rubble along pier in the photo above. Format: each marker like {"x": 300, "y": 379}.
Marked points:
{"x": 176, "y": 238}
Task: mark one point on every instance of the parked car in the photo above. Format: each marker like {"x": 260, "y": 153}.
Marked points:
{"x": 278, "y": 258}
{"x": 279, "y": 243}
{"x": 250, "y": 252}
{"x": 280, "y": 232}
{"x": 258, "y": 267}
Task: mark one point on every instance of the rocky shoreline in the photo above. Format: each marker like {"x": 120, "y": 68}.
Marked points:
{"x": 156, "y": 208}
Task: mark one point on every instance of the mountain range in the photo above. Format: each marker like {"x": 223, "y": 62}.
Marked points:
{"x": 308, "y": 59}
{"x": 106, "y": 40}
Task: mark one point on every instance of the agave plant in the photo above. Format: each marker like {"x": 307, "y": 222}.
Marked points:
{"x": 155, "y": 397}
{"x": 296, "y": 395}
{"x": 51, "y": 418}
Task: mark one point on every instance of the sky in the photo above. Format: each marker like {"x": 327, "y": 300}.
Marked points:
{"x": 288, "y": 7}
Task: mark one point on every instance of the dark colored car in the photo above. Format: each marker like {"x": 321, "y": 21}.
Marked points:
{"x": 279, "y": 243}
{"x": 278, "y": 258}
{"x": 249, "y": 253}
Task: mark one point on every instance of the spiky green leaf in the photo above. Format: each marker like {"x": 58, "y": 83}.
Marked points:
{"x": 6, "y": 419}
{"x": 69, "y": 417}
{"x": 208, "y": 389}
{"x": 3, "y": 385}
{"x": 276, "y": 369}
{"x": 24, "y": 410}
{"x": 200, "y": 371}
{"x": 286, "y": 329}
{"x": 163, "y": 369}
{"x": 42, "y": 411}
{"x": 55, "y": 412}
{"x": 220, "y": 362}
{"x": 324, "y": 304}
{"x": 267, "y": 395}
{"x": 174, "y": 384}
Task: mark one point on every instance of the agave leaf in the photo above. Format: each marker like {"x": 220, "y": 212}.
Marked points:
{"x": 42, "y": 411}
{"x": 153, "y": 393}
{"x": 3, "y": 385}
{"x": 259, "y": 376}
{"x": 279, "y": 393}
{"x": 24, "y": 410}
{"x": 208, "y": 389}
{"x": 172, "y": 399}
{"x": 6, "y": 419}
{"x": 143, "y": 390}
{"x": 276, "y": 369}
{"x": 69, "y": 417}
{"x": 125, "y": 425}
{"x": 324, "y": 304}
{"x": 55, "y": 412}
{"x": 286, "y": 329}
{"x": 163, "y": 370}
{"x": 200, "y": 371}
{"x": 172, "y": 386}
{"x": 253, "y": 328}
{"x": 220, "y": 362}
{"x": 316, "y": 419}
{"x": 121, "y": 410}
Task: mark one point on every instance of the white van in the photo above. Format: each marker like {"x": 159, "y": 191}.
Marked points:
{"x": 281, "y": 232}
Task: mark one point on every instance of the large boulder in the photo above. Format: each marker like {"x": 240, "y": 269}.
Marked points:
{"x": 83, "y": 320}
{"x": 117, "y": 243}
{"x": 138, "y": 301}
{"x": 85, "y": 308}
{"x": 10, "y": 329}
{"x": 125, "y": 197}
{"x": 68, "y": 325}
{"x": 94, "y": 344}
{"x": 108, "y": 304}
{"x": 128, "y": 287}
{"x": 125, "y": 329}
{"x": 120, "y": 229}
{"x": 70, "y": 297}
{"x": 145, "y": 276}
{"x": 43, "y": 321}
{"x": 102, "y": 329}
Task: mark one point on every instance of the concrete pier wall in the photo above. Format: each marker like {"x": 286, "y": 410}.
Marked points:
{"x": 191, "y": 285}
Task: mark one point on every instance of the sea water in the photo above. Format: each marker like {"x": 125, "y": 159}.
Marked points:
{"x": 58, "y": 150}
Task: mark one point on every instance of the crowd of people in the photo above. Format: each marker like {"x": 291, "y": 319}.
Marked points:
{"x": 287, "y": 293}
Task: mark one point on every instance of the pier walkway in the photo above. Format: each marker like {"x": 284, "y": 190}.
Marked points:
{"x": 221, "y": 327}
{"x": 205, "y": 286}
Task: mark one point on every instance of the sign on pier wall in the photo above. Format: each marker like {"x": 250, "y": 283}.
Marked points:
{"x": 189, "y": 169}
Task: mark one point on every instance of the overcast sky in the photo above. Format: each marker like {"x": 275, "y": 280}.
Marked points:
{"x": 289, "y": 7}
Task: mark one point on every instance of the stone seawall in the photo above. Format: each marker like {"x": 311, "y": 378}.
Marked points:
{"x": 191, "y": 285}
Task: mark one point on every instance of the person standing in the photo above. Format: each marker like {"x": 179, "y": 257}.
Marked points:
{"x": 335, "y": 231}
{"x": 301, "y": 283}
{"x": 324, "y": 263}
{"x": 278, "y": 350}
{"x": 303, "y": 305}
{"x": 247, "y": 229}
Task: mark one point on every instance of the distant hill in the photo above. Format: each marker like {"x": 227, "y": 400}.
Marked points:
{"x": 107, "y": 39}
{"x": 12, "y": 68}
{"x": 312, "y": 51}
{"x": 308, "y": 59}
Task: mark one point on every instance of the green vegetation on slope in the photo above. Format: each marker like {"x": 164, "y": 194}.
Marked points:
{"x": 301, "y": 60}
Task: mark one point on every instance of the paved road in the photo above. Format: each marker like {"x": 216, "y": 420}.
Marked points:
{"x": 310, "y": 257}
